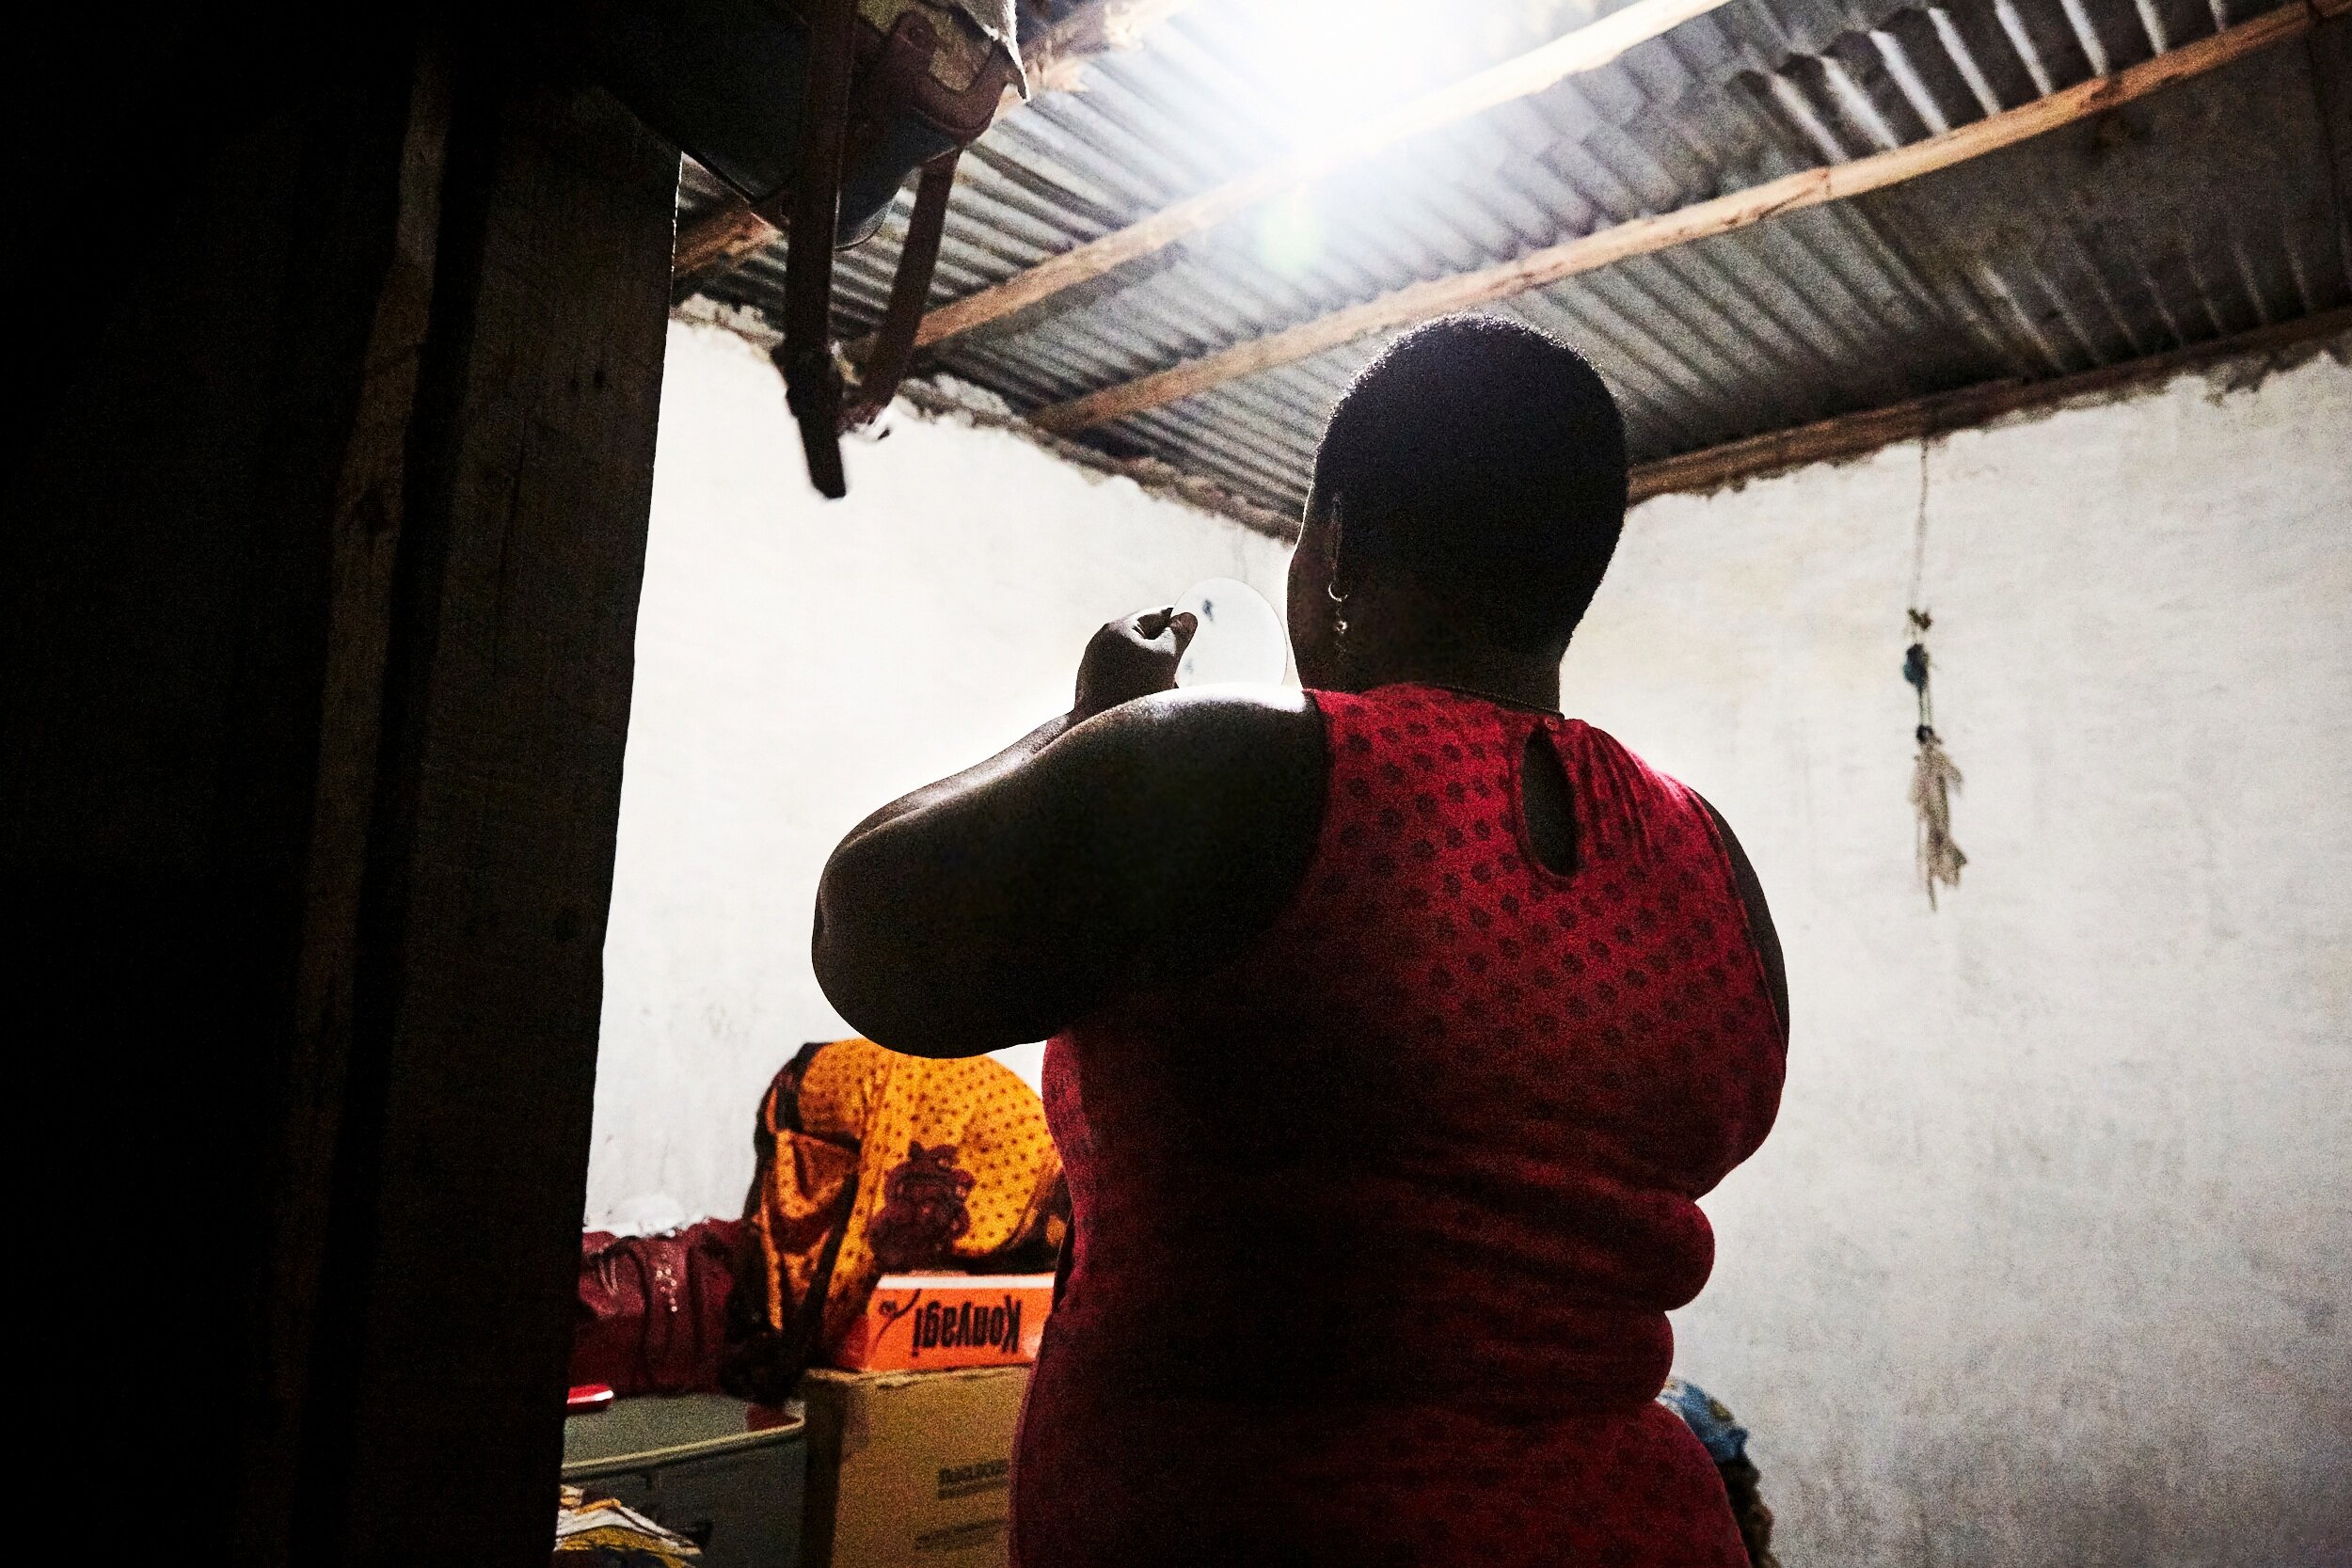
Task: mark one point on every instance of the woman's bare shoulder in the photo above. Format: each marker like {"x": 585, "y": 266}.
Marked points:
{"x": 1207, "y": 804}
{"x": 1220, "y": 738}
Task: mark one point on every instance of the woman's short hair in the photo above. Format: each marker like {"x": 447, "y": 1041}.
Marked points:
{"x": 1485, "y": 459}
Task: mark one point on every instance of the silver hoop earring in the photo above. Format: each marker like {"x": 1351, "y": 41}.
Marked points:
{"x": 1339, "y": 602}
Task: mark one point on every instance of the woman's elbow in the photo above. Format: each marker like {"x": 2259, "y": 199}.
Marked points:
{"x": 856, "y": 952}
{"x": 842, "y": 943}
{"x": 910, "y": 968}
{"x": 896, "y": 1012}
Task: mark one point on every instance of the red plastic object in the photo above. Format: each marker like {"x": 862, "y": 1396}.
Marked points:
{"x": 587, "y": 1396}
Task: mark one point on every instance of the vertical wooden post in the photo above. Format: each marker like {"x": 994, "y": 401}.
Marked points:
{"x": 320, "y": 575}
{"x": 478, "y": 977}
{"x": 2330, "y": 47}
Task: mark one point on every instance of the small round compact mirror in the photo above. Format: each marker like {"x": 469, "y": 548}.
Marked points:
{"x": 1240, "y": 640}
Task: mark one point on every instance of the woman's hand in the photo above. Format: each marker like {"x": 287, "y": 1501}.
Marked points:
{"x": 1131, "y": 659}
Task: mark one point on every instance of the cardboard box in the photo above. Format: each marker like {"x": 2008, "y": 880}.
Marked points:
{"x": 932, "y": 1322}
{"x": 910, "y": 1469}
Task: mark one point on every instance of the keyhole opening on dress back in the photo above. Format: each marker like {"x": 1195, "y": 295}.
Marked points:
{"x": 1547, "y": 804}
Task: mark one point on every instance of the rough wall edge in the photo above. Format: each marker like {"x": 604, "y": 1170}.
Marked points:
{"x": 945, "y": 398}
{"x": 2248, "y": 358}
{"x": 2246, "y": 361}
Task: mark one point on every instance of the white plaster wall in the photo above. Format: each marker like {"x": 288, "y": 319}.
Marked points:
{"x": 798, "y": 663}
{"x": 2046, "y": 1262}
{"x": 2048, "y": 1259}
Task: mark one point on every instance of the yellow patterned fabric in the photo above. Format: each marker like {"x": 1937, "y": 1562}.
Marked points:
{"x": 952, "y": 1164}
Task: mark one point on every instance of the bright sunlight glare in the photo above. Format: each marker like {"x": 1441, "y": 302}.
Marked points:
{"x": 1332, "y": 67}
{"x": 1337, "y": 63}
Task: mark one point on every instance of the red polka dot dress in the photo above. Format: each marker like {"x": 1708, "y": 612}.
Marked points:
{"x": 1378, "y": 1226}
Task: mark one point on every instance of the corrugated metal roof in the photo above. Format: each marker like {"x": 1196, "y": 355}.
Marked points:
{"x": 2207, "y": 209}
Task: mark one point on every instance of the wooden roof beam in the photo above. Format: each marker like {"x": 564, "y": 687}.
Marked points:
{"x": 1852, "y": 435}
{"x": 1588, "y": 48}
{"x": 1642, "y": 236}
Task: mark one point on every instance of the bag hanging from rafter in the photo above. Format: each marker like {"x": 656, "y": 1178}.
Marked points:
{"x": 816, "y": 112}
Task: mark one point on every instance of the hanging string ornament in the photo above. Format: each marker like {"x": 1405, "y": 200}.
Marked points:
{"x": 1935, "y": 778}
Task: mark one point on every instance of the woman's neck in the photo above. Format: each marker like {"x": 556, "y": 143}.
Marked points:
{"x": 1522, "y": 680}
{"x": 1398, "y": 632}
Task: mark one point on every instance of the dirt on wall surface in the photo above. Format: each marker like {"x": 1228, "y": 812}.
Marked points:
{"x": 2043, "y": 1264}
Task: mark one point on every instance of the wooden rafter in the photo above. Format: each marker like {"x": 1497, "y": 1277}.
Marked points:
{"x": 1852, "y": 435}
{"x": 713, "y": 244}
{"x": 1702, "y": 220}
{"x": 1587, "y": 48}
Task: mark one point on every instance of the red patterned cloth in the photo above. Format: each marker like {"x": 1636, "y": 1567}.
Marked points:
{"x": 1378, "y": 1226}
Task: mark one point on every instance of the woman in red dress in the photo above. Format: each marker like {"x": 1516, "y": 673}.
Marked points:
{"x": 1397, "y": 1025}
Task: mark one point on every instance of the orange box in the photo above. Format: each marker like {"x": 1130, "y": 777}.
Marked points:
{"x": 935, "y": 1322}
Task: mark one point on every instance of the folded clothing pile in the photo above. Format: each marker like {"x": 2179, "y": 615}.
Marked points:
{"x": 600, "y": 1532}
{"x": 872, "y": 1164}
